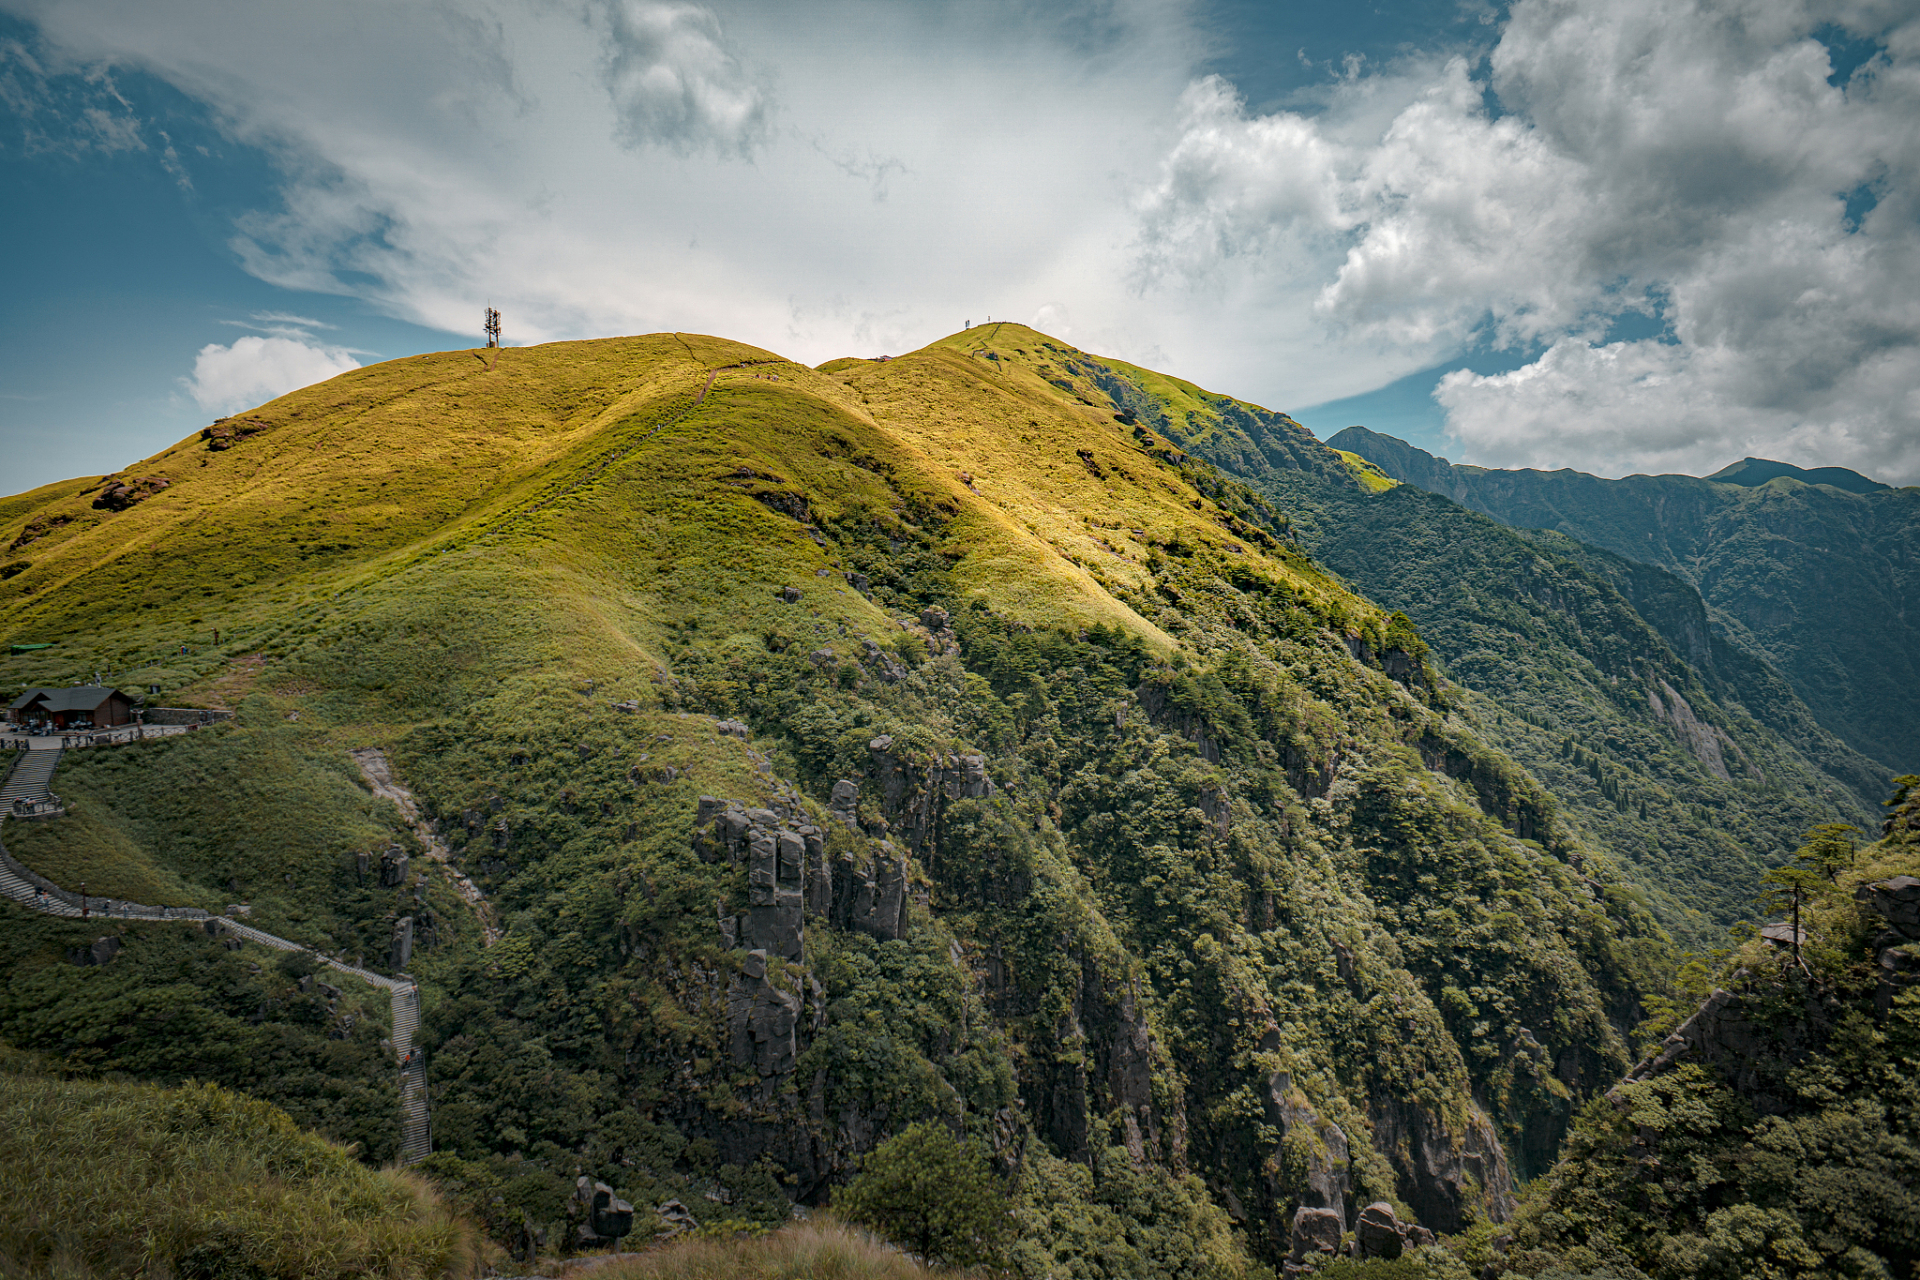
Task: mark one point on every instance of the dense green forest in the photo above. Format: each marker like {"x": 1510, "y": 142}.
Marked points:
{"x": 1809, "y": 575}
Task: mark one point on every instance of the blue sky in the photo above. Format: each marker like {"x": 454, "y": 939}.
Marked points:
{"x": 1641, "y": 235}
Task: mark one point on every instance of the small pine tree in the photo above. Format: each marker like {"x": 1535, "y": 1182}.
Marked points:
{"x": 932, "y": 1195}
{"x": 1788, "y": 889}
{"x": 1829, "y": 849}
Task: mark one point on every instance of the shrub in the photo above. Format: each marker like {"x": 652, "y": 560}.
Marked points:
{"x": 931, "y": 1194}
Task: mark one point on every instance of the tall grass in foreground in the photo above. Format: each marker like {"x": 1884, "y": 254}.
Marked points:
{"x": 821, "y": 1250}
{"x": 104, "y": 1180}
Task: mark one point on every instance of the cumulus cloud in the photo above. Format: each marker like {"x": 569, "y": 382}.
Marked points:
{"x": 254, "y": 369}
{"x": 1649, "y": 158}
{"x": 676, "y": 82}
{"x": 1694, "y": 236}
{"x": 618, "y": 166}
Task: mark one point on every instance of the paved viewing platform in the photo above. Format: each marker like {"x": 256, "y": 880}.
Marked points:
{"x": 74, "y": 739}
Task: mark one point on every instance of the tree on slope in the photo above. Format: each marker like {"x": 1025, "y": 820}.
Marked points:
{"x": 937, "y": 1197}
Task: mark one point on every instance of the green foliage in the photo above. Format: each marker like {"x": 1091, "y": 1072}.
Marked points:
{"x": 1758, "y": 555}
{"x": 1564, "y": 675}
{"x": 1248, "y": 871}
{"x": 931, "y": 1194}
{"x": 111, "y": 1179}
{"x": 1679, "y": 1176}
{"x": 1829, "y": 848}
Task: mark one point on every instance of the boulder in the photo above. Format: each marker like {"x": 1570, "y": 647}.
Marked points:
{"x": 607, "y": 1217}
{"x": 933, "y": 618}
{"x": 1897, "y": 901}
{"x": 102, "y": 951}
{"x": 400, "y": 950}
{"x": 882, "y": 664}
{"x": 675, "y": 1219}
{"x": 1315, "y": 1236}
{"x": 1377, "y": 1232}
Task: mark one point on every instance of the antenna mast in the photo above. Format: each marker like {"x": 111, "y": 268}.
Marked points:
{"x": 493, "y": 327}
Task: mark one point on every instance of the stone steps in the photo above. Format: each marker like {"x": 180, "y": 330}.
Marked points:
{"x": 30, "y": 776}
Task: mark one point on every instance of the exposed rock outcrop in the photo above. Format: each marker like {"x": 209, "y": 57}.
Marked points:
{"x": 1704, "y": 740}
{"x": 762, "y": 1019}
{"x": 100, "y": 951}
{"x": 1314, "y": 1240}
{"x": 121, "y": 492}
{"x": 1751, "y": 1053}
{"x": 1897, "y": 947}
{"x": 1446, "y": 1178}
{"x": 1312, "y": 1154}
{"x": 606, "y": 1217}
{"x": 228, "y": 432}
{"x": 916, "y": 786}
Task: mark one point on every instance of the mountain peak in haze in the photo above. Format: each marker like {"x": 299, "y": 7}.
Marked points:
{"x": 1753, "y": 472}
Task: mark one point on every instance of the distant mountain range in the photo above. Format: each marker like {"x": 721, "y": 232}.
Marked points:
{"x": 1816, "y": 571}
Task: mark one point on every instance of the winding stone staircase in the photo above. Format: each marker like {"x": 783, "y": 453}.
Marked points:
{"x": 29, "y": 778}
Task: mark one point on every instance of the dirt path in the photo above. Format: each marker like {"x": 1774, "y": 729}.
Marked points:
{"x": 378, "y": 772}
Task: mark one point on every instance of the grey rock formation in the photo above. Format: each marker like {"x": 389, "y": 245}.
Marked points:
{"x": 400, "y": 950}
{"x": 871, "y": 898}
{"x": 607, "y": 1218}
{"x": 1314, "y": 1240}
{"x": 844, "y": 804}
{"x": 1440, "y": 1174}
{"x": 393, "y": 867}
{"x": 915, "y": 787}
{"x": 101, "y": 951}
{"x": 1897, "y": 957}
{"x": 675, "y": 1219}
{"x": 1307, "y": 1139}
{"x": 762, "y": 1018}
{"x": 1751, "y": 1051}
{"x": 1377, "y": 1232}
{"x": 934, "y": 618}
{"x": 884, "y": 666}
{"x": 1897, "y": 901}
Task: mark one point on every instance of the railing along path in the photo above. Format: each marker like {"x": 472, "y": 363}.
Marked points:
{"x": 37, "y": 893}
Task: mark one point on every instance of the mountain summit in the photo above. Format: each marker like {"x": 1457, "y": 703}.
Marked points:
{"x": 1758, "y": 471}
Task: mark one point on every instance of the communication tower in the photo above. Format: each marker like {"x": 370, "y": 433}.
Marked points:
{"x": 493, "y": 327}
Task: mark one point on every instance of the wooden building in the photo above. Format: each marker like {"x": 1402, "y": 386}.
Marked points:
{"x": 90, "y": 706}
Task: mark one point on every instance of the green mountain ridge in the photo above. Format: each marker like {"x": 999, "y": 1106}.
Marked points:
{"x": 1680, "y": 753}
{"x": 1751, "y": 472}
{"x": 1809, "y": 577}
{"x": 977, "y": 735}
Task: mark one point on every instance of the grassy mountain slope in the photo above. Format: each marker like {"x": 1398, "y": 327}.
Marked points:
{"x": 1812, "y": 577}
{"x": 1695, "y": 767}
{"x": 1252, "y": 917}
{"x": 113, "y": 1179}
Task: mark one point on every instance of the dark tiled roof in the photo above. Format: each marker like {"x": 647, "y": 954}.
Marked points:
{"x": 86, "y": 697}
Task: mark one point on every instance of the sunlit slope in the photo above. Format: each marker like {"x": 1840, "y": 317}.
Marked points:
{"x": 618, "y": 487}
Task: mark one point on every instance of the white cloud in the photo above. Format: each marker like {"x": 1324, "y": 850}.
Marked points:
{"x": 254, "y": 369}
{"x": 676, "y": 82}
{"x": 857, "y": 176}
{"x": 1665, "y": 157}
